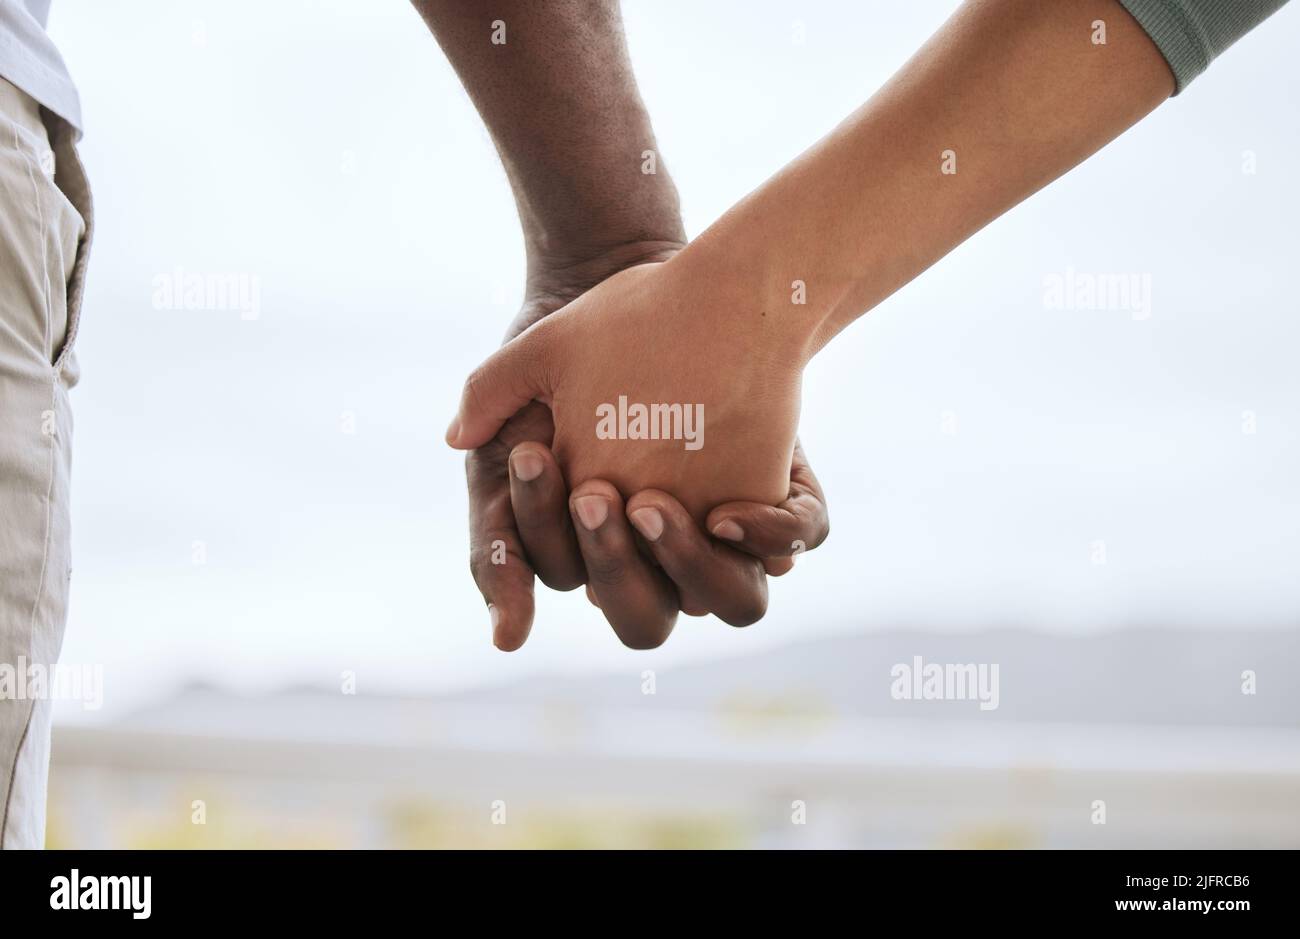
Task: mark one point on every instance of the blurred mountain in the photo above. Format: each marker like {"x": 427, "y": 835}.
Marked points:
{"x": 1143, "y": 676}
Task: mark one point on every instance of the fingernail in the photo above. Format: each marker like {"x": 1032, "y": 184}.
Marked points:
{"x": 648, "y": 522}
{"x": 592, "y": 511}
{"x": 453, "y": 430}
{"x": 526, "y": 465}
{"x": 495, "y": 615}
{"x": 729, "y": 530}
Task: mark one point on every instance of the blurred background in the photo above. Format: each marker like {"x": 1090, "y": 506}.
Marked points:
{"x": 1097, "y": 495}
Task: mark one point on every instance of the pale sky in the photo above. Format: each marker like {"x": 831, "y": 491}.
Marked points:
{"x": 325, "y": 152}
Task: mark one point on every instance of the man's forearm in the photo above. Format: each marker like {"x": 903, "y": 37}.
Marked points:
{"x": 1006, "y": 97}
{"x": 554, "y": 85}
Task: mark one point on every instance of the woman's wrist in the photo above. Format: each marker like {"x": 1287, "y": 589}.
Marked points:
{"x": 751, "y": 291}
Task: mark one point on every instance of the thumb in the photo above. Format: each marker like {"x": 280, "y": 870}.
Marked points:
{"x": 496, "y": 390}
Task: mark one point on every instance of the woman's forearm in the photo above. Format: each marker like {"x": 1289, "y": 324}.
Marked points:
{"x": 1005, "y": 98}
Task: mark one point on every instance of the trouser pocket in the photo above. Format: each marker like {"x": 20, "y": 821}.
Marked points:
{"x": 44, "y": 237}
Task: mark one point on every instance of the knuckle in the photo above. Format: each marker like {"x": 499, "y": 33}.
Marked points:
{"x": 823, "y": 531}
{"x": 608, "y": 570}
{"x": 535, "y": 520}
{"x": 562, "y": 584}
{"x": 490, "y": 554}
{"x": 770, "y": 535}
{"x": 748, "y": 611}
{"x": 490, "y": 457}
{"x": 643, "y": 639}
{"x": 486, "y": 476}
{"x": 562, "y": 578}
{"x": 479, "y": 567}
{"x": 778, "y": 567}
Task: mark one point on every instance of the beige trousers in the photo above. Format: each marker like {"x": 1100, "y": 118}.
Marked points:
{"x": 45, "y": 224}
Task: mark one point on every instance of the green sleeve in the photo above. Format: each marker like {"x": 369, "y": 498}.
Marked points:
{"x": 1191, "y": 33}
